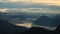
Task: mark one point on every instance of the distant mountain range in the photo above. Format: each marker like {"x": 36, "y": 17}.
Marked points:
{"x": 7, "y": 28}
{"x": 46, "y": 21}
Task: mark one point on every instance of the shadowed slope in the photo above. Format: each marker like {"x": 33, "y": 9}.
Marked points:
{"x": 43, "y": 21}
{"x": 7, "y": 28}
{"x": 38, "y": 30}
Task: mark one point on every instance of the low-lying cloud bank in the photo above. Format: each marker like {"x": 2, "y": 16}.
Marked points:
{"x": 30, "y": 10}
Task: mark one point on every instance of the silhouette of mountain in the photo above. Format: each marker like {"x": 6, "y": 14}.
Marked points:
{"x": 58, "y": 29}
{"x": 7, "y": 28}
{"x": 57, "y": 20}
{"x": 57, "y": 23}
{"x": 44, "y": 21}
{"x": 38, "y": 30}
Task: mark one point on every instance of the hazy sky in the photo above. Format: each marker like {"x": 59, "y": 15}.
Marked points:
{"x": 50, "y": 2}
{"x": 52, "y": 5}
{"x": 30, "y": 6}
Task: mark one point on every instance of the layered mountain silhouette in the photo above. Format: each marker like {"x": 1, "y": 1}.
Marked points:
{"x": 38, "y": 30}
{"x": 44, "y": 21}
{"x": 7, "y": 28}
{"x": 57, "y": 20}
{"x": 58, "y": 29}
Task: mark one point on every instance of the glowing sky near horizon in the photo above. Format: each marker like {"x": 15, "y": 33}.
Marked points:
{"x": 30, "y": 6}
{"x": 49, "y": 2}
{"x": 52, "y": 5}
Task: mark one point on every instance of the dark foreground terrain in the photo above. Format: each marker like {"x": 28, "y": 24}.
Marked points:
{"x": 7, "y": 28}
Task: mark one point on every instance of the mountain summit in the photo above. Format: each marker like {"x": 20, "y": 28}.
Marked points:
{"x": 44, "y": 21}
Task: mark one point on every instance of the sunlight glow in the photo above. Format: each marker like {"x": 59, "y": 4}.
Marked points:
{"x": 49, "y": 2}
{"x": 28, "y": 25}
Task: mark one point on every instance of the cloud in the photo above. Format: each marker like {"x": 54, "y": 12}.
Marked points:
{"x": 14, "y": 1}
{"x": 4, "y": 10}
{"x": 22, "y": 5}
{"x": 30, "y": 10}
{"x": 28, "y": 25}
{"x": 49, "y": 2}
{"x": 8, "y": 0}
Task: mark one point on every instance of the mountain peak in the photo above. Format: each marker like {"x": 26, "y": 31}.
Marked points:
{"x": 43, "y": 20}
